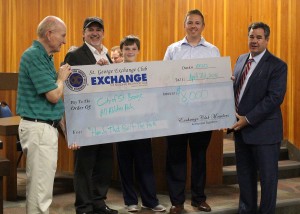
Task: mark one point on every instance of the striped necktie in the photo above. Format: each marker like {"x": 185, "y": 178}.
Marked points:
{"x": 242, "y": 80}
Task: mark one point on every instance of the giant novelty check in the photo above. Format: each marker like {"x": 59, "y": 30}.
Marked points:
{"x": 127, "y": 101}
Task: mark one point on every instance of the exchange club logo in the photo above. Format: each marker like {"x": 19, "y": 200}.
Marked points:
{"x": 77, "y": 80}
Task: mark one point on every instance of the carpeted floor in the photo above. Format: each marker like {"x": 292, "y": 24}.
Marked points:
{"x": 223, "y": 199}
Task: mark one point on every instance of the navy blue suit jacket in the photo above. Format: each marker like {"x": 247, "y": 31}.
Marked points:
{"x": 261, "y": 100}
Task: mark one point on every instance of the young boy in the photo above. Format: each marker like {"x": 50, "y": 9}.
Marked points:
{"x": 135, "y": 156}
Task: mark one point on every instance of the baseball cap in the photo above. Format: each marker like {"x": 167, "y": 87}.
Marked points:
{"x": 91, "y": 20}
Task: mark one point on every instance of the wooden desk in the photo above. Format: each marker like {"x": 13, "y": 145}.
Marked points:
{"x": 9, "y": 129}
{"x": 4, "y": 171}
{"x": 9, "y": 125}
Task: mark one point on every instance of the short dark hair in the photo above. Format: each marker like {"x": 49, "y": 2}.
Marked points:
{"x": 130, "y": 40}
{"x": 194, "y": 12}
{"x": 262, "y": 25}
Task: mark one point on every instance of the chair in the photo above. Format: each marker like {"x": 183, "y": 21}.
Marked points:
{"x": 6, "y": 112}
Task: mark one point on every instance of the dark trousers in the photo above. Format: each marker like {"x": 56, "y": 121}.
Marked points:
{"x": 252, "y": 159}
{"x": 135, "y": 160}
{"x": 177, "y": 165}
{"x": 92, "y": 176}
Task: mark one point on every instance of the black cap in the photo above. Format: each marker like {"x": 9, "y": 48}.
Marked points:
{"x": 91, "y": 20}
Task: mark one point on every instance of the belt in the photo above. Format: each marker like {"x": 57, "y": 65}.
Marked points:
{"x": 53, "y": 123}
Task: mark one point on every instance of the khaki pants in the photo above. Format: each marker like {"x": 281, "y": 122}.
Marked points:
{"x": 39, "y": 143}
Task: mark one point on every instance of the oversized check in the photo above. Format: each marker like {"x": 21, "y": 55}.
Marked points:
{"x": 126, "y": 101}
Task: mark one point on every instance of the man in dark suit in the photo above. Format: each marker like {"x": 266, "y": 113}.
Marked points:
{"x": 93, "y": 164}
{"x": 259, "y": 127}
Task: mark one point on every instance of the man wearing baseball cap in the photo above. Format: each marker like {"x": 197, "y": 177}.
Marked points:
{"x": 93, "y": 164}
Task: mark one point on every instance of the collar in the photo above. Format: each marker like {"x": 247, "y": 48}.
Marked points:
{"x": 258, "y": 57}
{"x": 39, "y": 45}
{"x": 202, "y": 42}
{"x": 95, "y": 51}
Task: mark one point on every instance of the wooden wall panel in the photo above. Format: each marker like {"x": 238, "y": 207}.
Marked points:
{"x": 293, "y": 103}
{"x": 159, "y": 23}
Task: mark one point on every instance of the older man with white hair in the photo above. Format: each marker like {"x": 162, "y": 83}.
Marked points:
{"x": 40, "y": 106}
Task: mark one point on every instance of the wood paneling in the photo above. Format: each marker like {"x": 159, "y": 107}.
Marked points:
{"x": 8, "y": 81}
{"x": 159, "y": 23}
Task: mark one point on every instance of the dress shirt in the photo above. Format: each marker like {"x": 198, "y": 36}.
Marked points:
{"x": 183, "y": 50}
{"x": 252, "y": 67}
{"x": 96, "y": 53}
